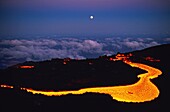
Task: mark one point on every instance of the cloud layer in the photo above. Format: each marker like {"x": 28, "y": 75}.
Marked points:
{"x": 20, "y": 50}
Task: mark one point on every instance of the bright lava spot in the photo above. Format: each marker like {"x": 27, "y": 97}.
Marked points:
{"x": 6, "y": 86}
{"x": 26, "y": 67}
{"x": 152, "y": 59}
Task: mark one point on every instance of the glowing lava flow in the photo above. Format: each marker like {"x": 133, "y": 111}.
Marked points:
{"x": 143, "y": 90}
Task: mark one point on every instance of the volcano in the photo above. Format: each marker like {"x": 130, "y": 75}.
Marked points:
{"x": 23, "y": 86}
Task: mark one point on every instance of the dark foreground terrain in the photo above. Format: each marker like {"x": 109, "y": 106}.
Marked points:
{"x": 67, "y": 74}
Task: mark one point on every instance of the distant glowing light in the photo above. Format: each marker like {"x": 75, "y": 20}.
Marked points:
{"x": 91, "y": 17}
{"x": 152, "y": 59}
{"x": 6, "y": 86}
{"x": 26, "y": 67}
{"x": 64, "y": 63}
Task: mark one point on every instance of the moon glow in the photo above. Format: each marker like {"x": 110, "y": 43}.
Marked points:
{"x": 91, "y": 17}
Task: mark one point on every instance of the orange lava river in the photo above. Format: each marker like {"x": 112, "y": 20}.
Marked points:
{"x": 141, "y": 91}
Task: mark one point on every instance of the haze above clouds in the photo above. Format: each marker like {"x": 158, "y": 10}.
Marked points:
{"x": 19, "y": 50}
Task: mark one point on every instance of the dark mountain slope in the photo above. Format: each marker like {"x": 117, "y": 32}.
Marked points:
{"x": 22, "y": 101}
{"x": 58, "y": 74}
{"x": 160, "y": 52}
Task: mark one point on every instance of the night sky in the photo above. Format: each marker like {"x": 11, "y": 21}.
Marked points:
{"x": 71, "y": 17}
{"x": 37, "y": 30}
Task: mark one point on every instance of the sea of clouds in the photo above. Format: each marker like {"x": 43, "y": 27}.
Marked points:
{"x": 13, "y": 51}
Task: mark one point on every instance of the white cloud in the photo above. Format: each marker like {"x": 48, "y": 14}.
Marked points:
{"x": 133, "y": 44}
{"x": 16, "y": 50}
{"x": 167, "y": 39}
{"x": 44, "y": 49}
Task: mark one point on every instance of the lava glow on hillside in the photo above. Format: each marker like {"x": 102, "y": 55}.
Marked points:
{"x": 141, "y": 91}
{"x": 6, "y": 86}
{"x": 26, "y": 67}
{"x": 152, "y": 59}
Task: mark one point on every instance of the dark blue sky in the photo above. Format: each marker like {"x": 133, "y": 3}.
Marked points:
{"x": 71, "y": 17}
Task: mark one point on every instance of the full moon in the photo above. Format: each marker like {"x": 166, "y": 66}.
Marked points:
{"x": 91, "y": 17}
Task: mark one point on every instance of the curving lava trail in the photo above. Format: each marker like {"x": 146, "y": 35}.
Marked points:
{"x": 141, "y": 91}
